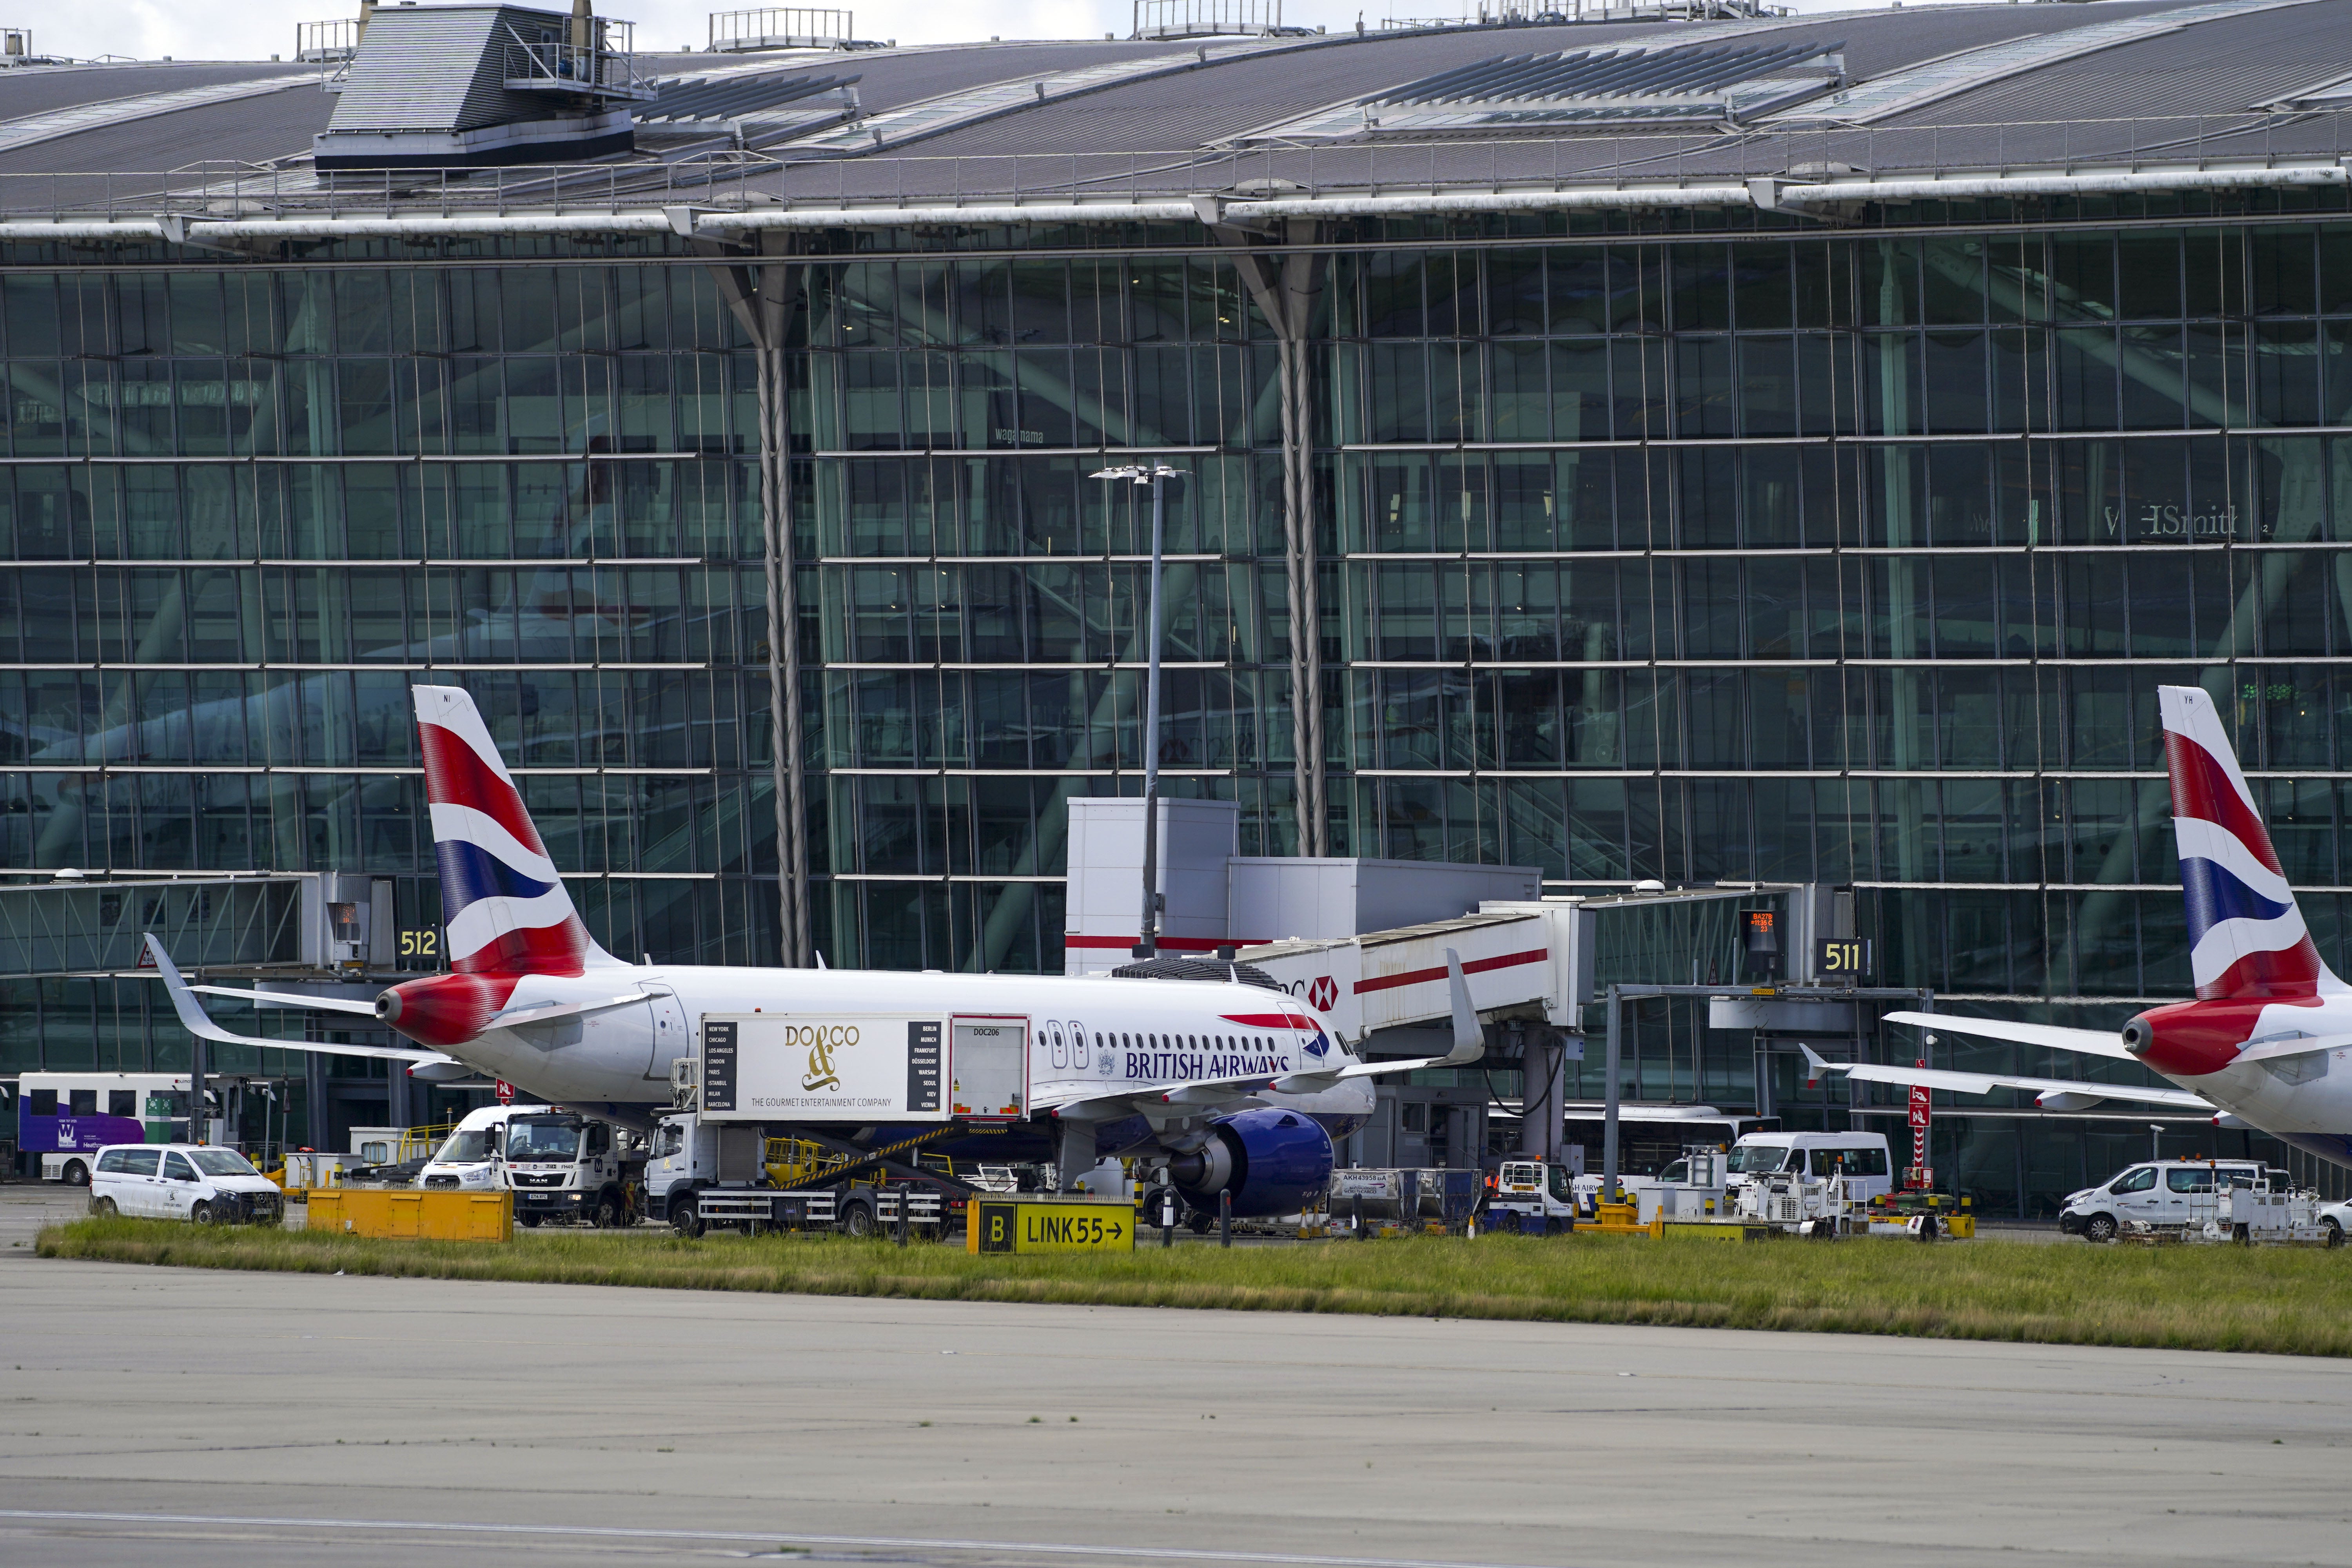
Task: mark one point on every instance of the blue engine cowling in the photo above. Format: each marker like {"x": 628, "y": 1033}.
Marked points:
{"x": 1269, "y": 1160}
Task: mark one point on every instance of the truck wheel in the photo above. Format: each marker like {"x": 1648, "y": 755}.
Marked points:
{"x": 104, "y": 1209}
{"x": 76, "y": 1173}
{"x": 530, "y": 1221}
{"x": 1201, "y": 1221}
{"x": 858, "y": 1219}
{"x": 684, "y": 1220}
{"x": 607, "y": 1214}
{"x": 2330, "y": 1234}
{"x": 203, "y": 1213}
{"x": 2099, "y": 1227}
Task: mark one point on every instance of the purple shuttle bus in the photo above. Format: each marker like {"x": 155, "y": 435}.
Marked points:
{"x": 65, "y": 1116}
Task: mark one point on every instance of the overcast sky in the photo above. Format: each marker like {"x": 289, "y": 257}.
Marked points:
{"x": 255, "y": 29}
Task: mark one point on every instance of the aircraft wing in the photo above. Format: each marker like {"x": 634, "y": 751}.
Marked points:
{"x": 288, "y": 999}
{"x": 1079, "y": 1102}
{"x": 2056, "y": 1094}
{"x": 194, "y": 1018}
{"x": 2089, "y": 1042}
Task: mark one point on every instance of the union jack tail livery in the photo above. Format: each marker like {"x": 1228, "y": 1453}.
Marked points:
{"x": 2246, "y": 937}
{"x": 502, "y": 899}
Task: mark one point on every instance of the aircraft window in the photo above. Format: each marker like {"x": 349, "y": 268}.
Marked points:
{"x": 1061, "y": 1048}
{"x": 2188, "y": 1181}
{"x": 2137, "y": 1181}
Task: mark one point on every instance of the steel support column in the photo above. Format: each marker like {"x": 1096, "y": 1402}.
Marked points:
{"x": 1287, "y": 285}
{"x": 760, "y": 295}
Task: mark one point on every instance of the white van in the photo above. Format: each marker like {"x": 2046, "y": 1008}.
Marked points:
{"x": 183, "y": 1181}
{"x": 1863, "y": 1158}
{"x": 2159, "y": 1192}
{"x": 472, "y": 1158}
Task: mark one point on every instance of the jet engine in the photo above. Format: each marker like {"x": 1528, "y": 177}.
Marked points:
{"x": 1269, "y": 1160}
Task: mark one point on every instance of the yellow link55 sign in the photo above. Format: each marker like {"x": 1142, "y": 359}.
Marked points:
{"x": 1050, "y": 1228}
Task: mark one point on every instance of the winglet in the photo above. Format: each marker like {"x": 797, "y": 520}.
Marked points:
{"x": 193, "y": 1017}
{"x": 1814, "y": 1066}
{"x": 1469, "y": 1039}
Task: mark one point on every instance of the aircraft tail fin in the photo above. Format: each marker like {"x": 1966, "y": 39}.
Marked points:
{"x": 502, "y": 900}
{"x": 2246, "y": 934}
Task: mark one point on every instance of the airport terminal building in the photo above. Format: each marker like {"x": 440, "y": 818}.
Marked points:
{"x": 1689, "y": 447}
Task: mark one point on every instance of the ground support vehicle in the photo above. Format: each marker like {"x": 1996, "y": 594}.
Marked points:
{"x": 1533, "y": 1198}
{"x": 1797, "y": 1204}
{"x": 1913, "y": 1211}
{"x": 857, "y": 1211}
{"x": 193, "y": 1182}
{"x": 2252, "y": 1216}
{"x": 2157, "y": 1196}
{"x": 701, "y": 1174}
{"x": 574, "y": 1168}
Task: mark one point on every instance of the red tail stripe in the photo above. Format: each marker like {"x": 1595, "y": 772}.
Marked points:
{"x": 2287, "y": 973}
{"x": 2201, "y": 789}
{"x": 455, "y": 774}
{"x": 559, "y": 949}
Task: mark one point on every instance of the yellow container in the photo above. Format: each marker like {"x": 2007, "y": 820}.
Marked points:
{"x": 424, "y": 1216}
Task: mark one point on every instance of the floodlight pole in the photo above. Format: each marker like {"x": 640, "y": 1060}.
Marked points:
{"x": 1155, "y": 475}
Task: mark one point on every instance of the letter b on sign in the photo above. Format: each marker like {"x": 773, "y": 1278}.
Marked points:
{"x": 995, "y": 1228}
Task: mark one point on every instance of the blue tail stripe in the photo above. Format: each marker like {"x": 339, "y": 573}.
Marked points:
{"x": 469, "y": 872}
{"x": 2215, "y": 895}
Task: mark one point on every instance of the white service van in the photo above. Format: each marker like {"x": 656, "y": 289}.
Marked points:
{"x": 183, "y": 1181}
{"x": 2164, "y": 1193}
{"x": 1863, "y": 1158}
{"x": 472, "y": 1158}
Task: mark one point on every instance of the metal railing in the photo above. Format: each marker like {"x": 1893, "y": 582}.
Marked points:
{"x": 780, "y": 27}
{"x": 1205, "y": 18}
{"x": 1655, "y": 161}
{"x": 599, "y": 70}
{"x": 318, "y": 41}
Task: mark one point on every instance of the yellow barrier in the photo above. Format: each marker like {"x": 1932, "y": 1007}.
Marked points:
{"x": 426, "y": 1215}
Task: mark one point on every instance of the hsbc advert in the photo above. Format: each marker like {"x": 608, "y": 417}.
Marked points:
{"x": 848, "y": 1067}
{"x": 1324, "y": 982}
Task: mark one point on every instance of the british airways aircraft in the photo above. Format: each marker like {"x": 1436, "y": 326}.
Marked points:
{"x": 2267, "y": 1044}
{"x": 1238, "y": 1086}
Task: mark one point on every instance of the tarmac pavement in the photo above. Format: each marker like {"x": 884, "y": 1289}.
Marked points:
{"x": 199, "y": 1419}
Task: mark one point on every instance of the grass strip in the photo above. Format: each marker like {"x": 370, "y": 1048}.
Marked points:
{"x": 2287, "y": 1302}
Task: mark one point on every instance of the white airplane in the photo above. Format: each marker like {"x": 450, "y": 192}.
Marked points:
{"x": 1239, "y": 1086}
{"x": 2267, "y": 1044}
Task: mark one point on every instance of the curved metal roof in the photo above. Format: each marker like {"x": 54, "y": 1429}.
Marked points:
{"x": 1926, "y": 92}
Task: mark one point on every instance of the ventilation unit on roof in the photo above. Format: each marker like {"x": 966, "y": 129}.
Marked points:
{"x": 465, "y": 85}
{"x": 1653, "y": 86}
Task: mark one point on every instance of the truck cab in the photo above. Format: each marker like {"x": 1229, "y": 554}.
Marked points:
{"x": 563, "y": 1165}
{"x": 681, "y": 1159}
{"x": 1535, "y": 1192}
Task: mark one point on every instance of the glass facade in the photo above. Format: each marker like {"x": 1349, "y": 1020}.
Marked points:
{"x": 1850, "y": 558}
